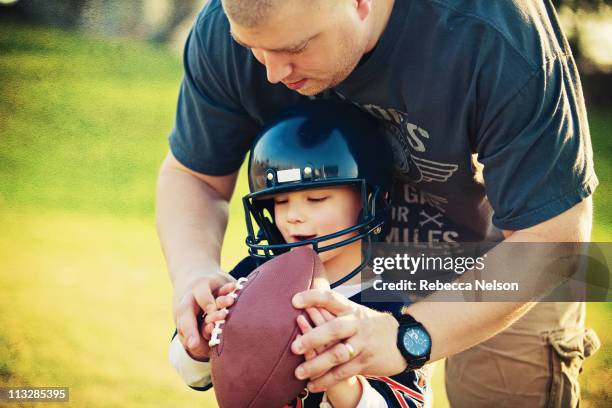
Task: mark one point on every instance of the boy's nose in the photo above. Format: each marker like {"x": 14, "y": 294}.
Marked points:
{"x": 294, "y": 214}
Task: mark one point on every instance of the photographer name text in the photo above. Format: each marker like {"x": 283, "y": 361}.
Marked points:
{"x": 426, "y": 285}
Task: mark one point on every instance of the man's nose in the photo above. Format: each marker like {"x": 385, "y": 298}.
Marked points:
{"x": 278, "y": 67}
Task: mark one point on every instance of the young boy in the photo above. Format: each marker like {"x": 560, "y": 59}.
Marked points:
{"x": 319, "y": 175}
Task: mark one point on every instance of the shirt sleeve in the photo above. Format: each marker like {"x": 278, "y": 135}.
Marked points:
{"x": 212, "y": 130}
{"x": 196, "y": 374}
{"x": 535, "y": 145}
{"x": 403, "y": 390}
{"x": 370, "y": 398}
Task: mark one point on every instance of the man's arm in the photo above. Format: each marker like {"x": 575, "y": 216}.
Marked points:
{"x": 458, "y": 326}
{"x": 453, "y": 327}
{"x": 191, "y": 216}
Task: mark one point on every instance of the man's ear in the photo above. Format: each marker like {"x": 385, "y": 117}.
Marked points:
{"x": 364, "y": 7}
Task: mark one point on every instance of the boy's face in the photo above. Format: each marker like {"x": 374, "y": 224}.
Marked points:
{"x": 313, "y": 213}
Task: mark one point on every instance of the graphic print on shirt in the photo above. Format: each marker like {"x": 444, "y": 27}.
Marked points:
{"x": 420, "y": 217}
{"x": 407, "y": 140}
{"x": 417, "y": 216}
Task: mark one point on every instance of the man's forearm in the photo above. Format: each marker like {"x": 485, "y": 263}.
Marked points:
{"x": 456, "y": 326}
{"x": 191, "y": 219}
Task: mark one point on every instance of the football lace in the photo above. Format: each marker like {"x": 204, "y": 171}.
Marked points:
{"x": 217, "y": 330}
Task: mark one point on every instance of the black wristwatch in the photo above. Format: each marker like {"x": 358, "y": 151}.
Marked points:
{"x": 413, "y": 341}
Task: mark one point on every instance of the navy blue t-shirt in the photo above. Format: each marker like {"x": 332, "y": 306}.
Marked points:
{"x": 452, "y": 81}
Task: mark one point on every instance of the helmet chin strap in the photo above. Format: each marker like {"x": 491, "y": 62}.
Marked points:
{"x": 347, "y": 277}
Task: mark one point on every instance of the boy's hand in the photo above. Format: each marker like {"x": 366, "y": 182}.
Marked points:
{"x": 346, "y": 393}
{"x": 318, "y": 317}
{"x": 222, "y": 302}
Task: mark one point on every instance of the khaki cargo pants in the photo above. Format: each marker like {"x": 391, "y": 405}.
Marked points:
{"x": 533, "y": 363}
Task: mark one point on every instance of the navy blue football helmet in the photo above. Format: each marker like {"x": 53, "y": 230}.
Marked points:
{"x": 319, "y": 143}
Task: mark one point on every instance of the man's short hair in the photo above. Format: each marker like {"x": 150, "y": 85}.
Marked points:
{"x": 248, "y": 13}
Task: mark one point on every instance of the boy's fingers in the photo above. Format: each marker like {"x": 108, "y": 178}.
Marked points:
{"x": 319, "y": 317}
{"x": 227, "y": 288}
{"x": 224, "y": 302}
{"x": 305, "y": 327}
{"x": 315, "y": 315}
{"x": 208, "y": 328}
{"x": 218, "y": 315}
{"x": 303, "y": 324}
{"x": 327, "y": 315}
{"x": 326, "y": 335}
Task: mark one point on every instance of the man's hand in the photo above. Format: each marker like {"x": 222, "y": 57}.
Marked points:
{"x": 199, "y": 300}
{"x": 371, "y": 334}
{"x": 191, "y": 215}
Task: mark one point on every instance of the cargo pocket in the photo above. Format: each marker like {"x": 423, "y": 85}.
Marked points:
{"x": 568, "y": 349}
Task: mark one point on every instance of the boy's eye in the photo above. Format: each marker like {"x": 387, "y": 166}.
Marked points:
{"x": 278, "y": 201}
{"x": 316, "y": 199}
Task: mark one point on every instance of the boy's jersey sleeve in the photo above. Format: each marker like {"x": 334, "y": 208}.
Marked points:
{"x": 402, "y": 390}
{"x": 386, "y": 392}
{"x": 196, "y": 374}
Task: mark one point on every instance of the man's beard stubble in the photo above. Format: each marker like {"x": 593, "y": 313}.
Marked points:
{"x": 347, "y": 60}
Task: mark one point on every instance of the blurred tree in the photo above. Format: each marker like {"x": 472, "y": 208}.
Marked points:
{"x": 60, "y": 13}
{"x": 572, "y": 12}
{"x": 596, "y": 76}
{"x": 115, "y": 17}
{"x": 179, "y": 10}
{"x": 581, "y": 4}
{"x": 112, "y": 17}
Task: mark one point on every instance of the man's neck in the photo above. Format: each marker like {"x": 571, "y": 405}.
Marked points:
{"x": 381, "y": 12}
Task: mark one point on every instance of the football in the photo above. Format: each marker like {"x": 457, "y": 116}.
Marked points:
{"x": 251, "y": 359}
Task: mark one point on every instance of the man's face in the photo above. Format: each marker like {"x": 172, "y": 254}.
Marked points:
{"x": 309, "y": 46}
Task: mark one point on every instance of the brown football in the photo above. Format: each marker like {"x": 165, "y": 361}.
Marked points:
{"x": 252, "y": 362}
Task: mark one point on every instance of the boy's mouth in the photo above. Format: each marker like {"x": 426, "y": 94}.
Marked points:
{"x": 300, "y": 238}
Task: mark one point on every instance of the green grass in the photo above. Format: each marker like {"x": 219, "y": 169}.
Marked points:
{"x": 600, "y": 123}
{"x": 84, "y": 120}
{"x": 84, "y": 296}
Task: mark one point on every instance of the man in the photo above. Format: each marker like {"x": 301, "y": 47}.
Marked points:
{"x": 449, "y": 79}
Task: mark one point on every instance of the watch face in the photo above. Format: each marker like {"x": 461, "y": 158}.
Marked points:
{"x": 416, "y": 342}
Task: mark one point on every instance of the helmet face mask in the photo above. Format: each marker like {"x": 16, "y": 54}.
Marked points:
{"x": 319, "y": 144}
{"x": 269, "y": 242}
